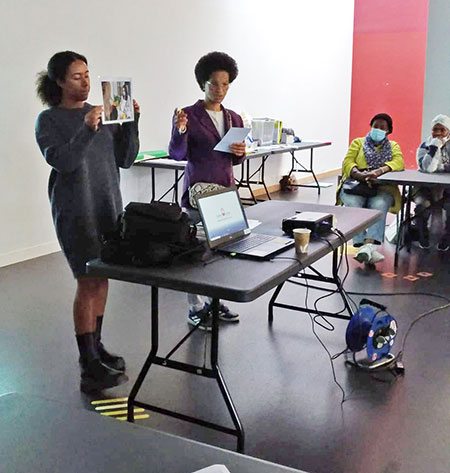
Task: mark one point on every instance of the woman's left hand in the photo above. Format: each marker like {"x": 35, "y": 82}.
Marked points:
{"x": 238, "y": 148}
{"x": 137, "y": 109}
{"x": 371, "y": 176}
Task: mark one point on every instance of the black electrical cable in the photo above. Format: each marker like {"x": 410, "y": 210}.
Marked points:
{"x": 324, "y": 346}
{"x": 331, "y": 357}
{"x": 420, "y": 293}
{"x": 411, "y": 325}
{"x": 339, "y": 287}
{"x": 343, "y": 352}
{"x": 345, "y": 251}
{"x": 347, "y": 295}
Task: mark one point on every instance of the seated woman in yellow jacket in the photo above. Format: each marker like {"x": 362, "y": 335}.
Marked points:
{"x": 367, "y": 159}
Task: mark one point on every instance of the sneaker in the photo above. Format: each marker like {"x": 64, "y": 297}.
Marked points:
{"x": 424, "y": 243}
{"x": 202, "y": 318}
{"x": 376, "y": 257}
{"x": 444, "y": 244}
{"x": 364, "y": 253}
{"x": 225, "y": 313}
{"x": 414, "y": 233}
{"x": 424, "y": 239}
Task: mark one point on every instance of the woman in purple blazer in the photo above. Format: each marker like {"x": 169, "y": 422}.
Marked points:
{"x": 196, "y": 130}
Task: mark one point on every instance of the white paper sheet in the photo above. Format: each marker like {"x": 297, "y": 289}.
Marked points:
{"x": 233, "y": 135}
{"x": 214, "y": 469}
{"x": 253, "y": 223}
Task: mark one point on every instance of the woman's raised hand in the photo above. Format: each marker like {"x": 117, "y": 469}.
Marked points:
{"x": 93, "y": 117}
{"x": 238, "y": 148}
{"x": 137, "y": 109}
{"x": 180, "y": 119}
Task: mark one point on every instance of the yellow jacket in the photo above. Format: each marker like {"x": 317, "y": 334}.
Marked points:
{"x": 355, "y": 157}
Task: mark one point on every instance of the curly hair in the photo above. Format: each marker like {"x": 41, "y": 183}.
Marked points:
{"x": 385, "y": 117}
{"x": 47, "y": 89}
{"x": 212, "y": 62}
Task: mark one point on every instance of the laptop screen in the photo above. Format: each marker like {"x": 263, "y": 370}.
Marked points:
{"x": 222, "y": 214}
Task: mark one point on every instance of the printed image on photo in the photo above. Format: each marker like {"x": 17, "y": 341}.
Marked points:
{"x": 117, "y": 101}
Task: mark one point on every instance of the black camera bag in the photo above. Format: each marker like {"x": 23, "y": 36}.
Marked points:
{"x": 151, "y": 234}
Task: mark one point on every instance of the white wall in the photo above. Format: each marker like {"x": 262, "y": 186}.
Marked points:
{"x": 437, "y": 69}
{"x": 294, "y": 58}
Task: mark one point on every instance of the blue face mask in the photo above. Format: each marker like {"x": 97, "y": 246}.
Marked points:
{"x": 377, "y": 135}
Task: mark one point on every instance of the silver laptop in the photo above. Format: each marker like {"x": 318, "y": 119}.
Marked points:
{"x": 226, "y": 228}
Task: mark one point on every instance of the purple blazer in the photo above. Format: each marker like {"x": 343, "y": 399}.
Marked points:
{"x": 196, "y": 146}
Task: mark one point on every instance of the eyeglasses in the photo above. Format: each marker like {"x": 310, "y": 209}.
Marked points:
{"x": 216, "y": 86}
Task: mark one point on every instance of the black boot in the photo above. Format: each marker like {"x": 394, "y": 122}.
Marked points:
{"x": 95, "y": 375}
{"x": 113, "y": 361}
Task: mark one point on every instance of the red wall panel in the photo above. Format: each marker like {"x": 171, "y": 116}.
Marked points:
{"x": 388, "y": 75}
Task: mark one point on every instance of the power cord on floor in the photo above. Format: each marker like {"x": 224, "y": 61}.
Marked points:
{"x": 347, "y": 294}
{"x": 331, "y": 292}
{"x": 331, "y": 357}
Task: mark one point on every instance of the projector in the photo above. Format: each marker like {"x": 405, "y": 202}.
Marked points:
{"x": 318, "y": 222}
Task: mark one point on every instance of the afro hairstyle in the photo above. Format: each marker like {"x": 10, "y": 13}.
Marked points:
{"x": 214, "y": 61}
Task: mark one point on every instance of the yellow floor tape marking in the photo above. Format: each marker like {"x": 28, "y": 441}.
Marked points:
{"x": 351, "y": 250}
{"x": 112, "y": 406}
{"x": 388, "y": 275}
{"x": 141, "y": 416}
{"x": 109, "y": 401}
{"x": 117, "y": 413}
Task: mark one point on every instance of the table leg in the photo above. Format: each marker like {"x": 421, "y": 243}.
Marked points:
{"x": 316, "y": 276}
{"x": 304, "y": 169}
{"x": 246, "y": 180}
{"x": 219, "y": 378}
{"x": 166, "y": 362}
{"x": 153, "y": 185}
{"x": 408, "y": 218}
{"x": 272, "y": 301}
{"x": 338, "y": 283}
{"x": 150, "y": 358}
{"x": 312, "y": 171}
{"x": 399, "y": 242}
{"x": 175, "y": 188}
{"x": 263, "y": 165}
{"x": 239, "y": 182}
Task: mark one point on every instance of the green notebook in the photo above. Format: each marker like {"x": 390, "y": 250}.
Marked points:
{"x": 144, "y": 155}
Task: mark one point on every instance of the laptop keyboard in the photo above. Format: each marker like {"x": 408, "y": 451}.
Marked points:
{"x": 255, "y": 239}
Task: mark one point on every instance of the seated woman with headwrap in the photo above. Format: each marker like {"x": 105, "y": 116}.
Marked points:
{"x": 433, "y": 155}
{"x": 367, "y": 159}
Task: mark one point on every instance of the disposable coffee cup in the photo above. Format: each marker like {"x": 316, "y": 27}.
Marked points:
{"x": 301, "y": 237}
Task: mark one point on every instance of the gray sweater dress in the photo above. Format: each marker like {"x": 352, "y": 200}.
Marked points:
{"x": 84, "y": 187}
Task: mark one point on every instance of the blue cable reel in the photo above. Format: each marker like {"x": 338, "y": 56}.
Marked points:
{"x": 371, "y": 327}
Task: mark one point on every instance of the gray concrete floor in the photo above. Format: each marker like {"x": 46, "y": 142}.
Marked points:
{"x": 279, "y": 377}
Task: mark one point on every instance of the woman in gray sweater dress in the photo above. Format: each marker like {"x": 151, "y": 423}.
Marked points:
{"x": 85, "y": 198}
